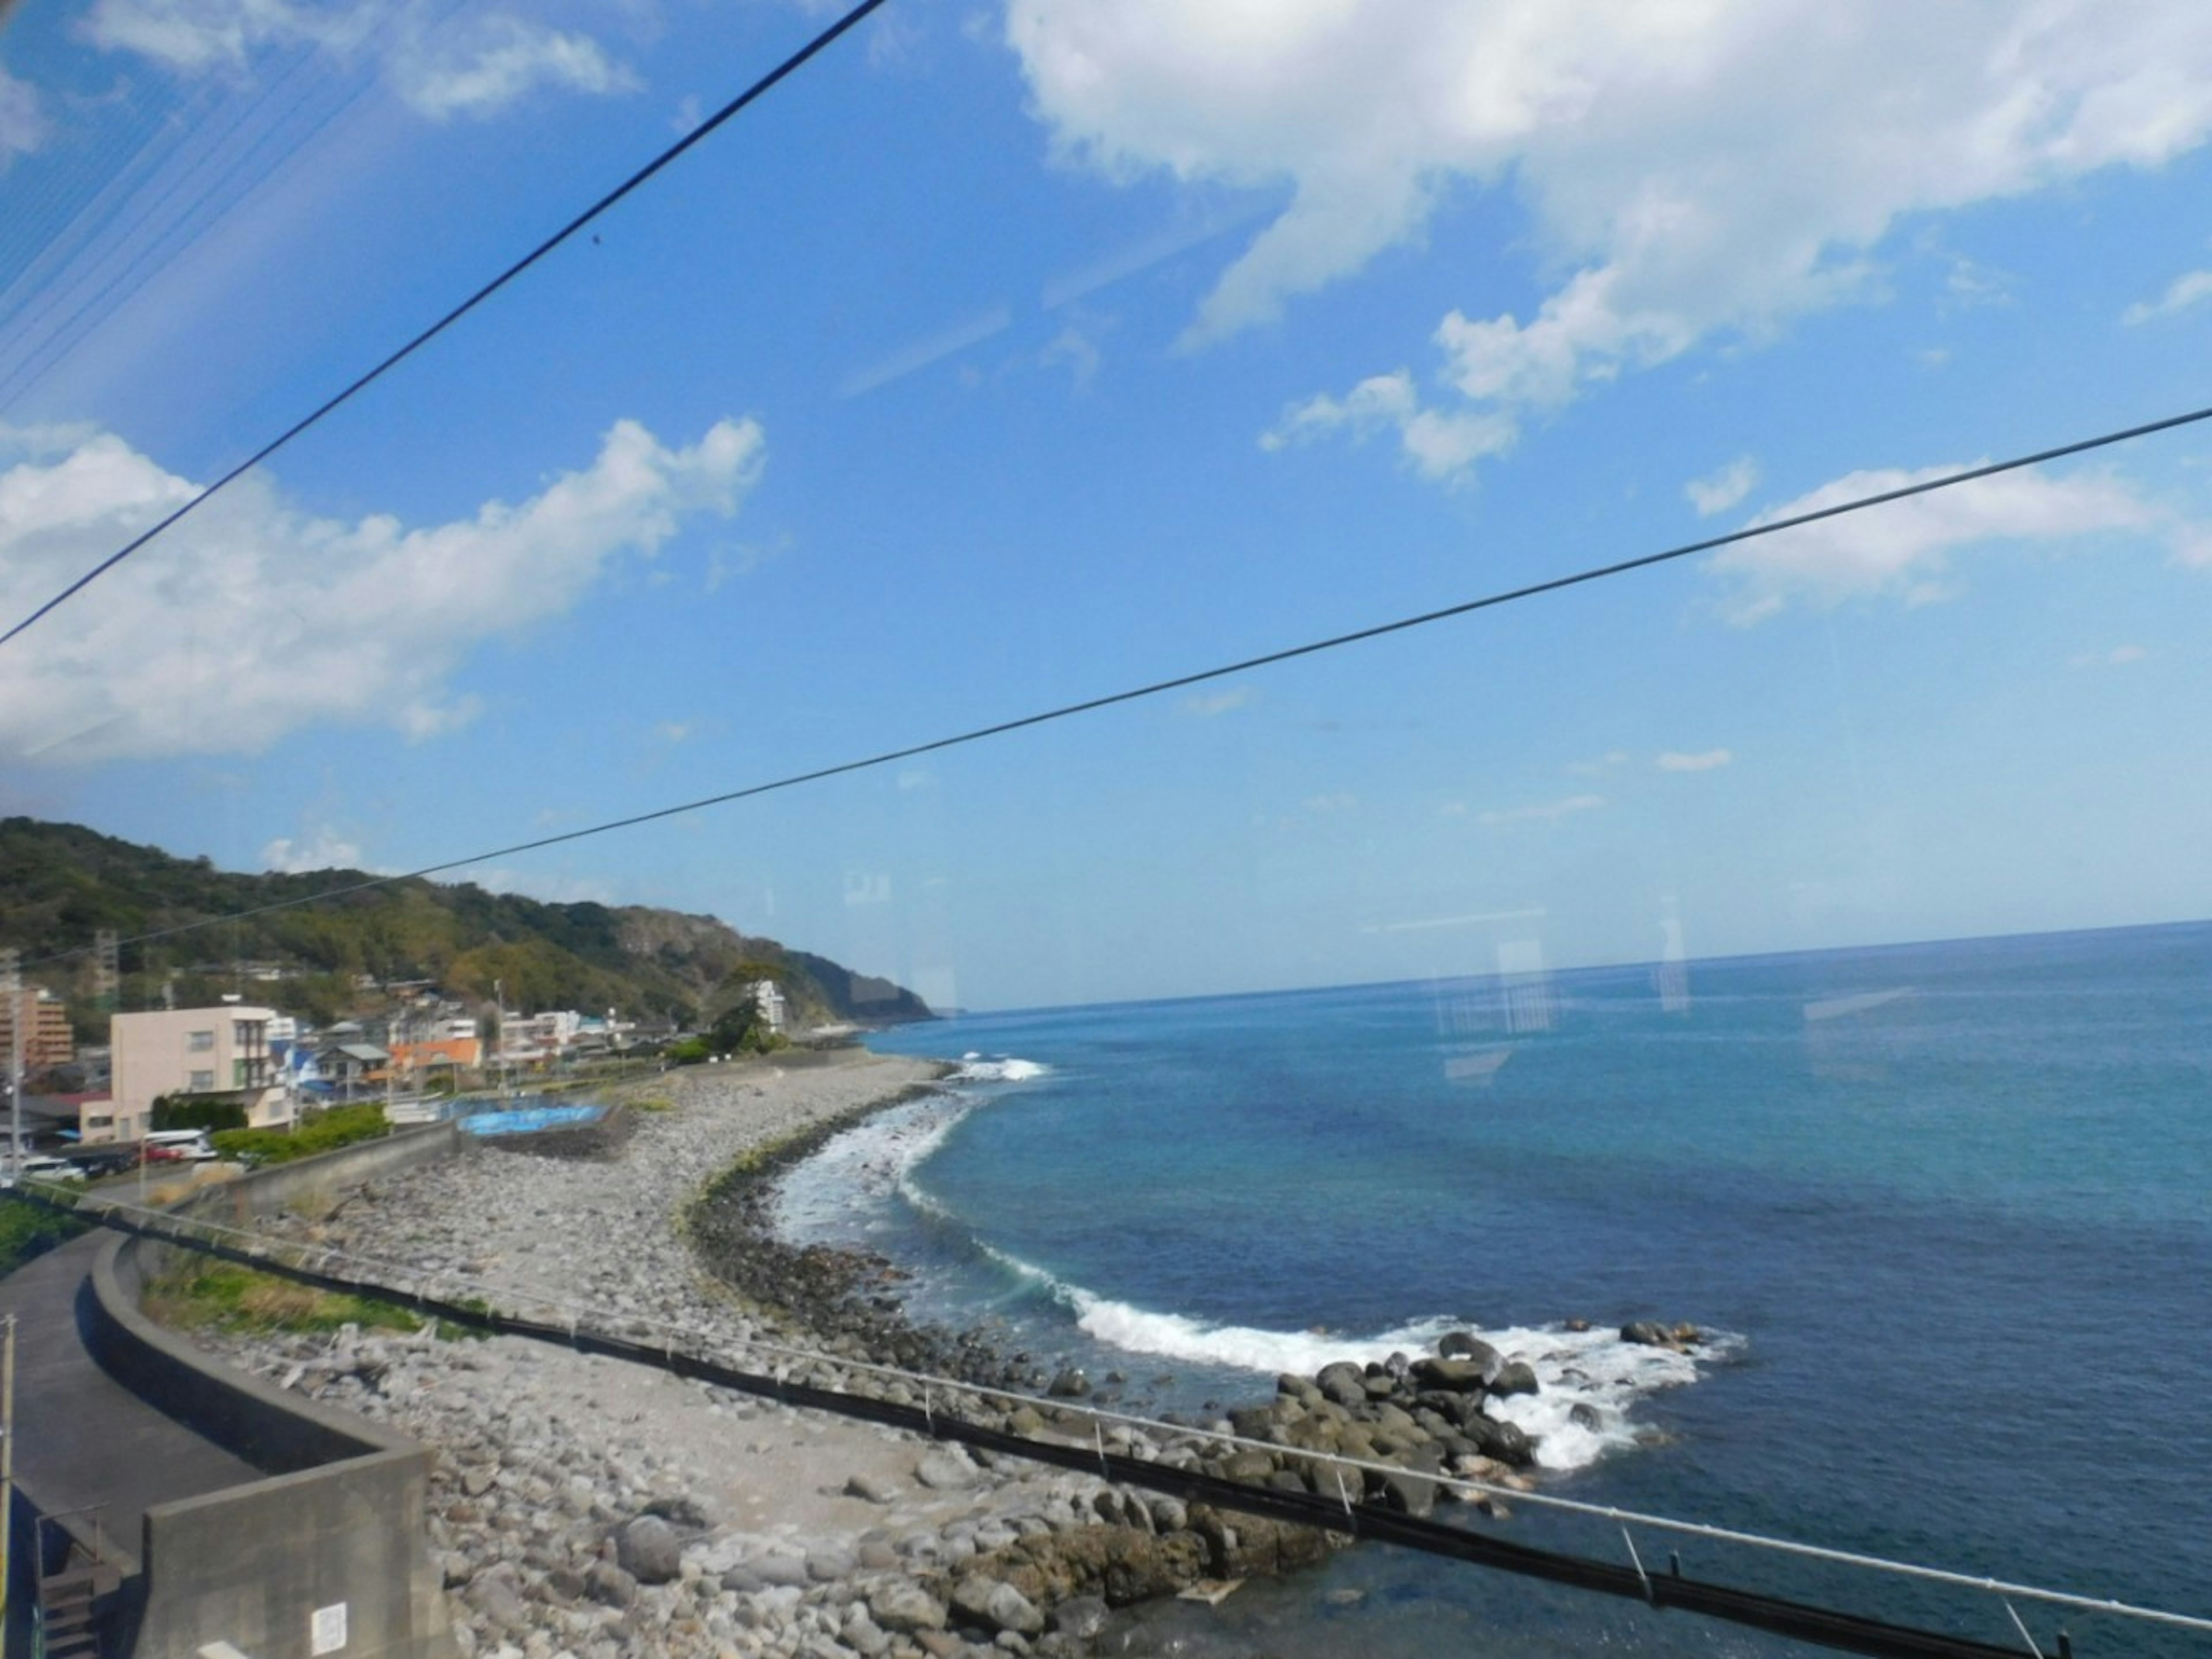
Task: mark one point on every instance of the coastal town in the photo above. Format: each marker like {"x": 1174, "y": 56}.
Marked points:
{"x": 246, "y": 1065}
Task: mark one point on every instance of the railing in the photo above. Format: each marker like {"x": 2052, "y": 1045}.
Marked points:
{"x": 805, "y": 1377}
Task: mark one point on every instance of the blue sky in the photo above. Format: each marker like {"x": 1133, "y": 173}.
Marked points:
{"x": 1010, "y": 355}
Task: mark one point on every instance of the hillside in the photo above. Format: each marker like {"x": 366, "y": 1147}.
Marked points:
{"x": 61, "y": 883}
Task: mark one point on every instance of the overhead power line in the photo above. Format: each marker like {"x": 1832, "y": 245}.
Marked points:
{"x": 1181, "y": 682}
{"x": 752, "y": 92}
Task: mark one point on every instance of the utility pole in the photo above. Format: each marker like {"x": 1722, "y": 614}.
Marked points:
{"x": 11, "y": 977}
{"x": 7, "y": 1464}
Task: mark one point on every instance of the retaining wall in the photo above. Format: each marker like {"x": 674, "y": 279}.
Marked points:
{"x": 329, "y": 1555}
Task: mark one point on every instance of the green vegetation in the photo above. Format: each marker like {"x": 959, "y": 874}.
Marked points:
{"x": 64, "y": 882}
{"x": 28, "y": 1230}
{"x": 205, "y": 1294}
{"x": 341, "y": 1126}
{"x": 192, "y": 1112}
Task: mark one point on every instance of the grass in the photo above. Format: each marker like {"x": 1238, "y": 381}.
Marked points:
{"x": 29, "y": 1230}
{"x": 222, "y": 1296}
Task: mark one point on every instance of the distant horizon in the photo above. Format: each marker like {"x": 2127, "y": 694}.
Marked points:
{"x": 1572, "y": 968}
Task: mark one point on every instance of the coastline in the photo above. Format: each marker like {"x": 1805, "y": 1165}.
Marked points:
{"x": 585, "y": 1505}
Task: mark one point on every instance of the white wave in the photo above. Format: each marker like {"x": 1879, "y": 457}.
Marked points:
{"x": 1002, "y": 1069}
{"x": 1588, "y": 1382}
{"x": 864, "y": 1165}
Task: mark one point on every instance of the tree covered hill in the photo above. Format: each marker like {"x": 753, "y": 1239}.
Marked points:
{"x": 61, "y": 883}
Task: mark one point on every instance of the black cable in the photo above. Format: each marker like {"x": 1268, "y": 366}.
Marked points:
{"x": 1551, "y": 585}
{"x": 794, "y": 62}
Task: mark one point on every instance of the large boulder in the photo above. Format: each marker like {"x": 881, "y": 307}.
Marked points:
{"x": 1453, "y": 1375}
{"x": 649, "y": 1549}
{"x": 996, "y": 1606}
{"x": 903, "y": 1607}
{"x": 1466, "y": 1344}
{"x": 1343, "y": 1383}
{"x": 1515, "y": 1376}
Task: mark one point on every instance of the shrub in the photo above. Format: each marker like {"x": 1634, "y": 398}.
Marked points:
{"x": 341, "y": 1126}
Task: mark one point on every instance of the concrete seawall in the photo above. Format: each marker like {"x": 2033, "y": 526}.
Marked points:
{"x": 328, "y": 1554}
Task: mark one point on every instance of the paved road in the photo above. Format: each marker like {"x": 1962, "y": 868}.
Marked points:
{"x": 82, "y": 1437}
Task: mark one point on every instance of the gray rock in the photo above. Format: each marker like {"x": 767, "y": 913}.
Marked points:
{"x": 780, "y": 1570}
{"x": 648, "y": 1548}
{"x": 1515, "y": 1376}
{"x": 1343, "y": 1383}
{"x": 905, "y": 1608}
{"x": 1453, "y": 1376}
{"x": 1070, "y": 1384}
{"x": 942, "y": 1471}
{"x": 1170, "y": 1514}
{"x": 497, "y": 1599}
{"x": 1083, "y": 1617}
{"x": 998, "y": 1607}
{"x": 608, "y": 1584}
{"x": 827, "y": 1563}
{"x": 871, "y": 1488}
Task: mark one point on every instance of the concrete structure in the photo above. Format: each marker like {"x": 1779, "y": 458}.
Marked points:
{"x": 43, "y": 1019}
{"x": 222, "y": 1051}
{"x": 768, "y": 997}
{"x": 231, "y": 1511}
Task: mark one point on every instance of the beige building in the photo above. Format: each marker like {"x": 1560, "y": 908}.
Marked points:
{"x": 45, "y": 1022}
{"x": 222, "y": 1051}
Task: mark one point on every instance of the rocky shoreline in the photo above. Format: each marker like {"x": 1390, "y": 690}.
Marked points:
{"x": 587, "y": 1507}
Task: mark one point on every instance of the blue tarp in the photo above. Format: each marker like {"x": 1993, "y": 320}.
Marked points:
{"x": 522, "y": 1120}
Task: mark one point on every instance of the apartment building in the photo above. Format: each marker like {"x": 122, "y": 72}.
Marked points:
{"x": 222, "y": 1051}
{"x": 43, "y": 1019}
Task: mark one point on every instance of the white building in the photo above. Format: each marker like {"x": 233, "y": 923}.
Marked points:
{"x": 222, "y": 1051}
{"x": 768, "y": 997}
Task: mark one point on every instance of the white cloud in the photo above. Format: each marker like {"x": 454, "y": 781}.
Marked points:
{"x": 1207, "y": 704}
{"x": 197, "y": 35}
{"x": 1710, "y": 169}
{"x": 325, "y": 850}
{"x": 1724, "y": 489}
{"x": 503, "y": 59}
{"x": 252, "y": 619}
{"x": 441, "y": 64}
{"x": 1439, "y": 445}
{"x": 1075, "y": 349}
{"x": 1903, "y": 550}
{"x": 1549, "y": 811}
{"x": 22, "y": 122}
{"x": 2183, "y": 291}
{"x": 2118, "y": 656}
{"x": 1709, "y": 760}
{"x": 1590, "y": 769}
{"x": 1341, "y": 801}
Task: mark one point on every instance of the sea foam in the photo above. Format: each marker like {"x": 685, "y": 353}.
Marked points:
{"x": 1588, "y": 1381}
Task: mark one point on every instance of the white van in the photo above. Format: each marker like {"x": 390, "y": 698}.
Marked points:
{"x": 191, "y": 1144}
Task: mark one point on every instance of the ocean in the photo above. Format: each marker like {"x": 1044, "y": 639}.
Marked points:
{"x": 1940, "y": 1211}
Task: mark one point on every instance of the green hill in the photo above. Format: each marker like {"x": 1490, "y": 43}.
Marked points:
{"x": 61, "y": 883}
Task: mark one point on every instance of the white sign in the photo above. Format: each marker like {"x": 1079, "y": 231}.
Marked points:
{"x": 327, "y": 1629}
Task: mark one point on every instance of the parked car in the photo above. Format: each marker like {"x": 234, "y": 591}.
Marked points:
{"x": 105, "y": 1160}
{"x": 190, "y": 1145}
{"x": 40, "y": 1167}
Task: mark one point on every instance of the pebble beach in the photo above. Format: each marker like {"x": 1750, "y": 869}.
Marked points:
{"x": 587, "y": 1506}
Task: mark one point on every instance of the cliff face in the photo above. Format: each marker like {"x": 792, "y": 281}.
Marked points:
{"x": 60, "y": 883}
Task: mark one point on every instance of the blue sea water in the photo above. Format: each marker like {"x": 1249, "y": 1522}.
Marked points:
{"x": 1944, "y": 1207}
